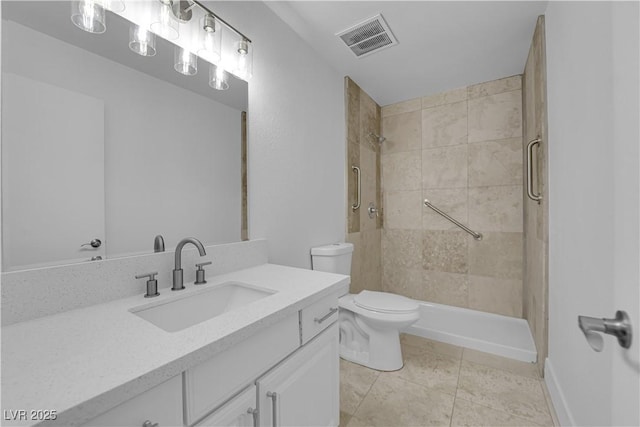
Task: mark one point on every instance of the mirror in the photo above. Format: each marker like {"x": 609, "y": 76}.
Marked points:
{"x": 102, "y": 144}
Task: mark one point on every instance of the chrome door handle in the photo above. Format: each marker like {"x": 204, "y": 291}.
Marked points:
{"x": 326, "y": 316}
{"x": 620, "y": 327}
{"x": 535, "y": 197}
{"x": 356, "y": 170}
{"x": 274, "y": 406}
{"x": 95, "y": 243}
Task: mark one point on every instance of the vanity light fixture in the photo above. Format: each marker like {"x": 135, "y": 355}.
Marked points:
{"x": 142, "y": 41}
{"x": 211, "y": 40}
{"x": 115, "y": 6}
{"x": 166, "y": 24}
{"x": 218, "y": 78}
{"x": 185, "y": 62}
{"x": 244, "y": 59}
{"x": 88, "y": 15}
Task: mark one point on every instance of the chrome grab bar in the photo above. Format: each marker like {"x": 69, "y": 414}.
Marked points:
{"x": 476, "y": 235}
{"x": 535, "y": 197}
{"x": 356, "y": 205}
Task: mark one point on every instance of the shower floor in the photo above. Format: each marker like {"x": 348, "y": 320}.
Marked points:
{"x": 490, "y": 333}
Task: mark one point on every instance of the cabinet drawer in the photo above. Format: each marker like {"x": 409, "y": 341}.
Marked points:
{"x": 209, "y": 384}
{"x": 318, "y": 316}
{"x": 162, "y": 404}
{"x": 238, "y": 412}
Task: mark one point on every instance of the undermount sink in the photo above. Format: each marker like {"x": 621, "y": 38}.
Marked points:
{"x": 184, "y": 311}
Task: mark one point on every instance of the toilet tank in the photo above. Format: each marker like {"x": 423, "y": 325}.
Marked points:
{"x": 335, "y": 258}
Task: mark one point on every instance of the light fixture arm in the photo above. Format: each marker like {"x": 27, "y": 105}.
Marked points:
{"x": 231, "y": 27}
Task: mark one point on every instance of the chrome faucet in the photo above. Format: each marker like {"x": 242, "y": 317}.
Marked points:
{"x": 177, "y": 271}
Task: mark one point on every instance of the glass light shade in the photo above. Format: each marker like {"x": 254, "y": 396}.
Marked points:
{"x": 88, "y": 15}
{"x": 165, "y": 25}
{"x": 116, "y": 6}
{"x": 141, "y": 41}
{"x": 211, "y": 44}
{"x": 185, "y": 62}
{"x": 218, "y": 78}
{"x": 243, "y": 64}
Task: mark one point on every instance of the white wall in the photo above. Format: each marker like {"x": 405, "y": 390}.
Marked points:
{"x": 296, "y": 137}
{"x": 172, "y": 156}
{"x": 584, "y": 100}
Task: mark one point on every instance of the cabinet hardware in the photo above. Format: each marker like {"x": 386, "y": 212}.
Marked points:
{"x": 326, "y": 316}
{"x": 274, "y": 406}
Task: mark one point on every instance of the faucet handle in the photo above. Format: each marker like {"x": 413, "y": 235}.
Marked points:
{"x": 152, "y": 284}
{"x": 200, "y": 273}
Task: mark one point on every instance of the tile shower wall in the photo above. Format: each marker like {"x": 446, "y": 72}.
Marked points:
{"x": 536, "y": 216}
{"x": 462, "y": 150}
{"x": 363, "y": 151}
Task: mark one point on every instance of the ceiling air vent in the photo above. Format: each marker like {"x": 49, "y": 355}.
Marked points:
{"x": 368, "y": 36}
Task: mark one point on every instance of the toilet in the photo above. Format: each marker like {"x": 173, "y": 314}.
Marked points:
{"x": 370, "y": 322}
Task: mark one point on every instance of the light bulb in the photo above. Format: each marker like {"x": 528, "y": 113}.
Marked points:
{"x": 185, "y": 62}
{"x": 166, "y": 26}
{"x": 141, "y": 41}
{"x": 88, "y": 15}
{"x": 211, "y": 39}
{"x": 244, "y": 60}
{"x": 218, "y": 78}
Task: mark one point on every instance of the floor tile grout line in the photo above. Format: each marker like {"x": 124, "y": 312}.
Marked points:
{"x": 502, "y": 411}
{"x": 364, "y": 397}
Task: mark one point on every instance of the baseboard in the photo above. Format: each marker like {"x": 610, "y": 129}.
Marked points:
{"x": 557, "y": 397}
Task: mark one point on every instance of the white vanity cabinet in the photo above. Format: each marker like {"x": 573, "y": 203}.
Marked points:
{"x": 161, "y": 406}
{"x": 241, "y": 411}
{"x": 304, "y": 389}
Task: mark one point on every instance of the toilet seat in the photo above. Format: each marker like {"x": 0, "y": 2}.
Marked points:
{"x": 384, "y": 302}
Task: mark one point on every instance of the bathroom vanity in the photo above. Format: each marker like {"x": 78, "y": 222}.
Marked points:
{"x": 269, "y": 361}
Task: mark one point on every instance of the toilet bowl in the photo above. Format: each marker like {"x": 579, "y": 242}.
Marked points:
{"x": 370, "y": 324}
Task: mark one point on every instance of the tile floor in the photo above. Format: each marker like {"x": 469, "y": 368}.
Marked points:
{"x": 444, "y": 385}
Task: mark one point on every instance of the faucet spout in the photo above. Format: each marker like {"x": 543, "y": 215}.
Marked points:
{"x": 177, "y": 271}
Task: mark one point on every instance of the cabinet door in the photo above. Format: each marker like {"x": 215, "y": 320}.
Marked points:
{"x": 238, "y": 412}
{"x": 162, "y": 405}
{"x": 304, "y": 389}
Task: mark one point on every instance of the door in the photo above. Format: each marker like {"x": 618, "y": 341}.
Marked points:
{"x": 304, "y": 389}
{"x": 52, "y": 174}
{"x": 594, "y": 216}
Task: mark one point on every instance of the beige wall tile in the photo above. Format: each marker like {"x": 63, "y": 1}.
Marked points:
{"x": 445, "y": 251}
{"x": 357, "y": 280}
{"x": 493, "y": 87}
{"x": 448, "y": 97}
{"x": 453, "y": 201}
{"x": 355, "y": 382}
{"x": 401, "y": 107}
{"x": 495, "y": 117}
{"x": 444, "y": 167}
{"x": 402, "y": 249}
{"x": 368, "y": 170}
{"x": 400, "y": 280}
{"x": 436, "y": 371}
{"x": 372, "y": 260}
{"x": 467, "y": 413}
{"x": 444, "y": 125}
{"x": 496, "y": 208}
{"x": 504, "y": 391}
{"x": 495, "y": 163}
{"x": 403, "y": 132}
{"x": 493, "y": 295}
{"x": 369, "y": 120}
{"x": 445, "y": 288}
{"x": 353, "y": 111}
{"x": 396, "y": 402}
{"x": 403, "y": 209}
{"x": 430, "y": 345}
{"x": 510, "y": 365}
{"x": 401, "y": 171}
{"x": 498, "y": 254}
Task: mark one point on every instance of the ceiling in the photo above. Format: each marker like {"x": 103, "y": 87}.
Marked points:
{"x": 441, "y": 45}
{"x": 53, "y": 18}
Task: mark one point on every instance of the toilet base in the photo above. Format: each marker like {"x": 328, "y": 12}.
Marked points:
{"x": 392, "y": 360}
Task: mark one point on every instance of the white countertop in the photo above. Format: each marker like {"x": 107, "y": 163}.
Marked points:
{"x": 83, "y": 362}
